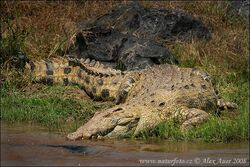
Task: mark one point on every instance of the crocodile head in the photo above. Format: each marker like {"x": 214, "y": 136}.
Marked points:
{"x": 112, "y": 122}
{"x": 117, "y": 122}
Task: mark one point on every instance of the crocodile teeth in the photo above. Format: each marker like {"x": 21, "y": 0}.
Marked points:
{"x": 87, "y": 61}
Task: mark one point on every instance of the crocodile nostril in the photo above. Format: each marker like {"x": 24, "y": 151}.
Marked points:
{"x": 152, "y": 101}
{"x": 162, "y": 104}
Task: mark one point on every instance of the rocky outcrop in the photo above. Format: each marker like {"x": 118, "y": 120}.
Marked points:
{"x": 157, "y": 24}
{"x": 121, "y": 51}
{"x": 132, "y": 37}
{"x": 240, "y": 8}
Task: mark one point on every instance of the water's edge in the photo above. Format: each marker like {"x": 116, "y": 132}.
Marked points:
{"x": 33, "y": 145}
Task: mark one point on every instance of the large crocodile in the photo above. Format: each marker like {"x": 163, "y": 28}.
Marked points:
{"x": 144, "y": 98}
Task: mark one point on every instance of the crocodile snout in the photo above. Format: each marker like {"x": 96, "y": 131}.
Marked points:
{"x": 114, "y": 122}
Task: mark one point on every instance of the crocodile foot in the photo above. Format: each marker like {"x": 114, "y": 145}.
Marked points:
{"x": 192, "y": 118}
{"x": 225, "y": 105}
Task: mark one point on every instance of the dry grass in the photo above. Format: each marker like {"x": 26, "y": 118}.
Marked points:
{"x": 50, "y": 25}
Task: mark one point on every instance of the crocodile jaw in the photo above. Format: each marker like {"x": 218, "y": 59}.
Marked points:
{"x": 114, "y": 122}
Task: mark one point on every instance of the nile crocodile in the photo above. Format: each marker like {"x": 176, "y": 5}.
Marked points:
{"x": 144, "y": 98}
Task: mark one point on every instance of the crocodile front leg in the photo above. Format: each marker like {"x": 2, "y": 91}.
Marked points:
{"x": 190, "y": 118}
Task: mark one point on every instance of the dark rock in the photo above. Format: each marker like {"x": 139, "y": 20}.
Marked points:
{"x": 109, "y": 45}
{"x": 161, "y": 24}
{"x": 131, "y": 36}
{"x": 240, "y": 8}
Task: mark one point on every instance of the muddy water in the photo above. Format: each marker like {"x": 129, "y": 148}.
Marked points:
{"x": 31, "y": 145}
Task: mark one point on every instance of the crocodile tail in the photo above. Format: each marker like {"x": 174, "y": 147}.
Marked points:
{"x": 50, "y": 71}
{"x": 98, "y": 81}
{"x": 66, "y": 70}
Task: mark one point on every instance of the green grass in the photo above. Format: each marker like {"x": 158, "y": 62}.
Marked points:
{"x": 224, "y": 129}
{"x": 166, "y": 130}
{"x": 48, "y": 107}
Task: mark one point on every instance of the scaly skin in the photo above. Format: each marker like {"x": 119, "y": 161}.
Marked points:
{"x": 144, "y": 98}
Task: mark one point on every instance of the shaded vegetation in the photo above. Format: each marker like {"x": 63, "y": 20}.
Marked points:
{"x": 44, "y": 29}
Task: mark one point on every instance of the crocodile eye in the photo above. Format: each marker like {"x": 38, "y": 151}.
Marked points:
{"x": 162, "y": 104}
